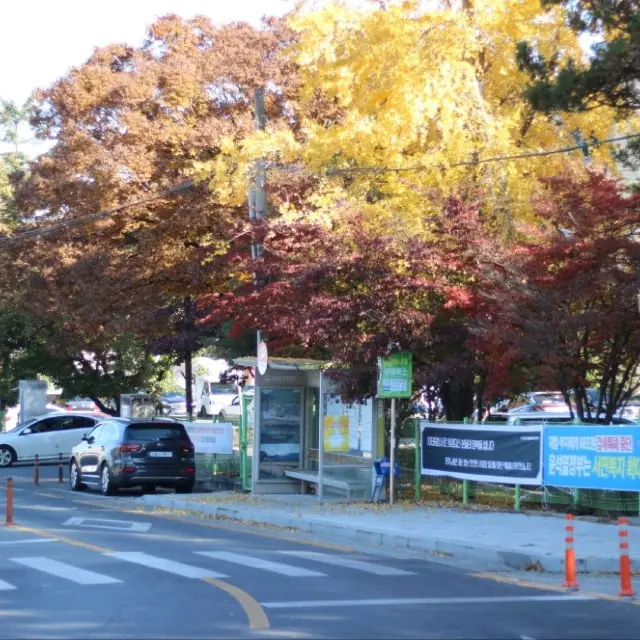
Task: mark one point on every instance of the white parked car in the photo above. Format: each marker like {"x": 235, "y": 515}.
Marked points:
{"x": 231, "y": 411}
{"x": 47, "y": 436}
{"x": 12, "y": 416}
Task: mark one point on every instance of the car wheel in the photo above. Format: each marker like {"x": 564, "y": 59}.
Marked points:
{"x": 185, "y": 488}
{"x": 7, "y": 456}
{"x": 203, "y": 413}
{"x": 106, "y": 483}
{"x": 221, "y": 416}
{"x": 74, "y": 477}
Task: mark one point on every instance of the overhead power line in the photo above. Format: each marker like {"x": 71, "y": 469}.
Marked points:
{"x": 470, "y": 163}
{"x": 92, "y": 217}
{"x": 365, "y": 170}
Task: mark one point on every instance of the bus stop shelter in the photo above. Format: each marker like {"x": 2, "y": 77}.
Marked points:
{"x": 304, "y": 438}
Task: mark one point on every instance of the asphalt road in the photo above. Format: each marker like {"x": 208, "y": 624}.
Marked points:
{"x": 78, "y": 565}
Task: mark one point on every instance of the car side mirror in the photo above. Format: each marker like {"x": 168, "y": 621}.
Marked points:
{"x": 85, "y": 437}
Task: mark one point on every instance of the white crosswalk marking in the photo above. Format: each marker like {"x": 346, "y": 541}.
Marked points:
{"x": 66, "y": 571}
{"x": 5, "y": 586}
{"x": 340, "y": 561}
{"x": 265, "y": 565}
{"x": 29, "y": 541}
{"x": 170, "y": 566}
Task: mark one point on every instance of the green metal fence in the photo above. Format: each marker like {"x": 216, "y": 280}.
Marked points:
{"x": 413, "y": 486}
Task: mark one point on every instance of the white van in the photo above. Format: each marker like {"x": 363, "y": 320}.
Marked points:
{"x": 212, "y": 398}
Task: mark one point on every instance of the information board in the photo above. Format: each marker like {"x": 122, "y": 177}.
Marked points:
{"x": 395, "y": 376}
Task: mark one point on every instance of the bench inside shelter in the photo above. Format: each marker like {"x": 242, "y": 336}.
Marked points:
{"x": 346, "y": 475}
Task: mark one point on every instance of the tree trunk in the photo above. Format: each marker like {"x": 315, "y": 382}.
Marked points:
{"x": 105, "y": 409}
{"x": 457, "y": 398}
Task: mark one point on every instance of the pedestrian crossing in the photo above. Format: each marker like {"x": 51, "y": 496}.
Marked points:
{"x": 64, "y": 570}
{"x": 205, "y": 564}
{"x": 163, "y": 564}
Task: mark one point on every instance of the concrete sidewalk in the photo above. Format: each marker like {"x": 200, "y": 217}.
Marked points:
{"x": 493, "y": 540}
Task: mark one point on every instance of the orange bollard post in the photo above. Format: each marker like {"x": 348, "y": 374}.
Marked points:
{"x": 625, "y": 561}
{"x": 9, "y": 515}
{"x": 36, "y": 470}
{"x": 570, "y": 581}
{"x": 60, "y": 470}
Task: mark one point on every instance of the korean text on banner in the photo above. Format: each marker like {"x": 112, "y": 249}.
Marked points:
{"x": 211, "y": 438}
{"x": 592, "y": 457}
{"x": 487, "y": 454}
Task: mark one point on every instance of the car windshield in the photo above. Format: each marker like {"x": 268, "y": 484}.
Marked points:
{"x": 494, "y": 418}
{"x": 155, "y": 431}
{"x": 173, "y": 397}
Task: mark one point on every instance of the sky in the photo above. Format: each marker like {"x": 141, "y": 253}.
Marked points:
{"x": 40, "y": 40}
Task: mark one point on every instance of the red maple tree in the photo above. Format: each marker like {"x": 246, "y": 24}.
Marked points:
{"x": 351, "y": 294}
{"x": 562, "y": 304}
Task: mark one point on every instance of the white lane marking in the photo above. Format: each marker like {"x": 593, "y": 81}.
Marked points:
{"x": 5, "y": 586}
{"x": 114, "y": 525}
{"x": 170, "y": 566}
{"x": 265, "y": 565}
{"x": 340, "y": 561}
{"x": 66, "y": 571}
{"x": 29, "y": 541}
{"x": 308, "y": 604}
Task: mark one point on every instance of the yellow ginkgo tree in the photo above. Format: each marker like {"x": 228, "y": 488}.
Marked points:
{"x": 418, "y": 99}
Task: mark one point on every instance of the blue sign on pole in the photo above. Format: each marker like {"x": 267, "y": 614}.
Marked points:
{"x": 592, "y": 457}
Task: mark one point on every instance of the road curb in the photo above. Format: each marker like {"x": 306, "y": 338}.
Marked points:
{"x": 485, "y": 556}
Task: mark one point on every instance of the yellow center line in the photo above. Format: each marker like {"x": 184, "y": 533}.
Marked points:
{"x": 47, "y": 534}
{"x": 255, "y": 613}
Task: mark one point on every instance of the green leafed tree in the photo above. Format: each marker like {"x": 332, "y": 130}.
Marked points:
{"x": 609, "y": 78}
{"x": 13, "y": 161}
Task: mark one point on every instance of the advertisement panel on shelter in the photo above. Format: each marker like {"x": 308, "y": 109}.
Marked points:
{"x": 211, "y": 438}
{"x": 508, "y": 455}
{"x": 336, "y": 433}
{"x": 592, "y": 457}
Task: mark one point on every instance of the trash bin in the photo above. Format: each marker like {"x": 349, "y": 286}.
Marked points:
{"x": 383, "y": 467}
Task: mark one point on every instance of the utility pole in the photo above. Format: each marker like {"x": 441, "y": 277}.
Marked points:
{"x": 257, "y": 194}
{"x": 188, "y": 357}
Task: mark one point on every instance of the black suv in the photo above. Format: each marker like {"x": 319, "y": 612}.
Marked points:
{"x": 124, "y": 452}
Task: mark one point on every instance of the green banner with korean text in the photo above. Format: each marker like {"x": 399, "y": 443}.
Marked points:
{"x": 395, "y": 376}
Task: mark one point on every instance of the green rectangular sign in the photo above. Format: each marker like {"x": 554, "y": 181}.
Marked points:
{"x": 395, "y": 376}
